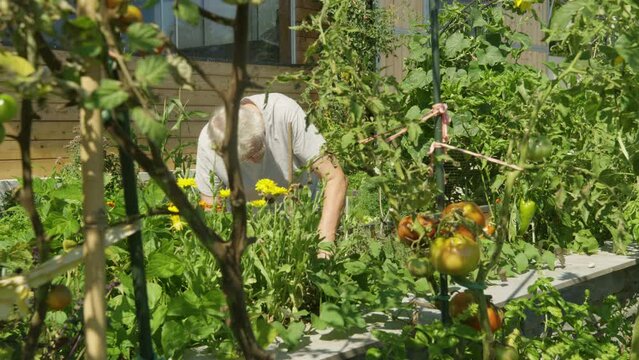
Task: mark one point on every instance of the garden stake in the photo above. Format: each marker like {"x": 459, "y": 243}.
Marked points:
{"x": 92, "y": 158}
{"x": 439, "y": 166}
{"x": 136, "y": 251}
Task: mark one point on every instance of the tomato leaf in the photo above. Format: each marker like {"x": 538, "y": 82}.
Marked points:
{"x": 151, "y": 70}
{"x": 148, "y": 124}
{"x": 164, "y": 265}
{"x": 188, "y": 12}
{"x": 110, "y": 94}
{"x": 15, "y": 64}
{"x": 144, "y": 37}
{"x": 331, "y": 315}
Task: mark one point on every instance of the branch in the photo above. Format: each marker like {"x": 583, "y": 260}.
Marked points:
{"x": 215, "y": 17}
{"x": 47, "y": 54}
{"x": 28, "y": 203}
{"x": 232, "y": 283}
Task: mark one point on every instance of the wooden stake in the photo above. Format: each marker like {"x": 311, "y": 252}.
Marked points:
{"x": 92, "y": 158}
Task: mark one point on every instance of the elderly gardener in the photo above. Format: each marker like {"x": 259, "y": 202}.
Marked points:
{"x": 263, "y": 149}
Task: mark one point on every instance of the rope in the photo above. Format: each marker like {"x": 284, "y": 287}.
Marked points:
{"x": 436, "y": 144}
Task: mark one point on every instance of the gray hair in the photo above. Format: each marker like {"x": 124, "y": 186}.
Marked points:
{"x": 251, "y": 135}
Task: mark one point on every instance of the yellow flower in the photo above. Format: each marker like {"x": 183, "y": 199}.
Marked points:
{"x": 176, "y": 223}
{"x": 523, "y": 5}
{"x": 257, "y": 203}
{"x": 172, "y": 208}
{"x": 186, "y": 182}
{"x": 224, "y": 193}
{"x": 264, "y": 185}
{"x": 269, "y": 187}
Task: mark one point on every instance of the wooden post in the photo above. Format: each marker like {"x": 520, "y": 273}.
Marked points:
{"x": 92, "y": 158}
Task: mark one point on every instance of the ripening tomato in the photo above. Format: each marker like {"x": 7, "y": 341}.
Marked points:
{"x": 463, "y": 231}
{"x": 462, "y": 301}
{"x": 489, "y": 229}
{"x": 59, "y": 297}
{"x": 132, "y": 15}
{"x": 409, "y": 236}
{"x": 456, "y": 255}
{"x": 467, "y": 209}
{"x": 8, "y": 107}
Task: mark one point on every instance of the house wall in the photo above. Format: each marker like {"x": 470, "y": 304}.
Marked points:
{"x": 58, "y": 124}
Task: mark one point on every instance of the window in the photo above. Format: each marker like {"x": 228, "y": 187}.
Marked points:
{"x": 268, "y": 25}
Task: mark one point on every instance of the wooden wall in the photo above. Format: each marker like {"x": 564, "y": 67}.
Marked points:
{"x": 59, "y": 124}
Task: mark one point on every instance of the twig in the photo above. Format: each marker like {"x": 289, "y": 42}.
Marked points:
{"x": 232, "y": 283}
{"x": 215, "y": 17}
{"x": 28, "y": 203}
{"x": 436, "y": 144}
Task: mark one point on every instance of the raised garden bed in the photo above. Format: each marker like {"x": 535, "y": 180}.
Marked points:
{"x": 603, "y": 274}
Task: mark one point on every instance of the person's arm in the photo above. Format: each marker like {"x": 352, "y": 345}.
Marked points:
{"x": 329, "y": 170}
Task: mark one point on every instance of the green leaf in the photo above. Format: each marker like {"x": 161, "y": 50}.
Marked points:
{"x": 414, "y": 130}
{"x": 292, "y": 335}
{"x": 148, "y": 124}
{"x": 154, "y": 292}
{"x": 549, "y": 259}
{"x": 414, "y": 113}
{"x": 331, "y": 315}
{"x": 554, "y": 311}
{"x": 456, "y": 43}
{"x": 188, "y": 12}
{"x": 417, "y": 79}
{"x": 491, "y": 56}
{"x": 13, "y": 63}
{"x": 628, "y": 49}
{"x": 181, "y": 71}
{"x": 422, "y": 285}
{"x": 110, "y": 94}
{"x": 158, "y": 316}
{"x": 151, "y": 70}
{"x": 521, "y": 262}
{"x": 355, "y": 267}
{"x": 265, "y": 333}
{"x": 318, "y": 323}
{"x": 348, "y": 139}
{"x": 144, "y": 37}
{"x": 562, "y": 18}
{"x": 163, "y": 265}
{"x": 174, "y": 336}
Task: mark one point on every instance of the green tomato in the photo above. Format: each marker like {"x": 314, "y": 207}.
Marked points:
{"x": 539, "y": 147}
{"x": 8, "y": 107}
{"x": 527, "y": 210}
{"x": 419, "y": 267}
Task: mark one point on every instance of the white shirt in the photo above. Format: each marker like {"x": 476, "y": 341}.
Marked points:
{"x": 278, "y": 111}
